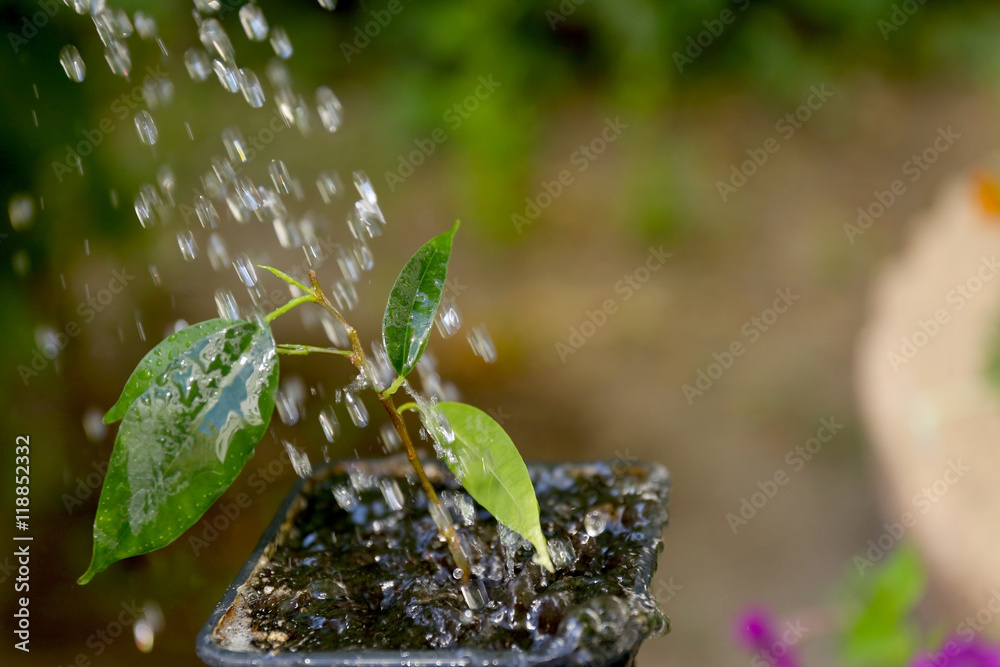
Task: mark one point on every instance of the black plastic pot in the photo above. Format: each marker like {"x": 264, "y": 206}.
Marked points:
{"x": 212, "y": 641}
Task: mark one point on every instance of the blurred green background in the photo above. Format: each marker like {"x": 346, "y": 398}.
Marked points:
{"x": 689, "y": 112}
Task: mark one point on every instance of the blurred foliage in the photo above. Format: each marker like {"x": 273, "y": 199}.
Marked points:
{"x": 881, "y": 629}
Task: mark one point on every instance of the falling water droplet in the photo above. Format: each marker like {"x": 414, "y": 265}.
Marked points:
{"x": 208, "y": 6}
{"x": 143, "y": 635}
{"x": 228, "y": 75}
{"x": 123, "y": 23}
{"x": 21, "y": 263}
{"x": 345, "y": 295}
{"x": 390, "y": 438}
{"x": 225, "y": 303}
{"x": 245, "y": 270}
{"x": 481, "y": 343}
{"x": 207, "y": 215}
{"x": 72, "y": 63}
{"x": 199, "y": 67}
{"x": 166, "y": 179}
{"x": 278, "y": 172}
{"x": 363, "y": 254}
{"x": 139, "y": 327}
{"x": 278, "y": 74}
{"x": 449, "y": 320}
{"x": 392, "y": 493}
{"x": 335, "y": 331}
{"x": 187, "y": 244}
{"x": 254, "y": 22}
{"x": 118, "y": 58}
{"x": 21, "y": 210}
{"x": 348, "y": 264}
{"x": 250, "y": 86}
{"x": 213, "y": 36}
{"x": 281, "y": 43}
{"x": 145, "y": 25}
{"x": 217, "y": 255}
{"x": 233, "y": 140}
{"x": 364, "y": 187}
{"x": 329, "y": 5}
{"x": 328, "y": 106}
{"x": 328, "y": 185}
{"x": 329, "y": 423}
{"x": 93, "y": 425}
{"x": 299, "y": 459}
{"x": 154, "y": 274}
{"x": 356, "y": 409}
{"x": 146, "y": 128}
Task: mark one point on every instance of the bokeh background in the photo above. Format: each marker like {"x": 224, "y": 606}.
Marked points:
{"x": 695, "y": 88}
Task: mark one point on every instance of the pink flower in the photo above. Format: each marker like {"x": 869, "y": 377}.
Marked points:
{"x": 756, "y": 630}
{"x": 959, "y": 652}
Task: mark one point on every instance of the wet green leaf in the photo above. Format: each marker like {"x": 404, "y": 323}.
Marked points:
{"x": 492, "y": 471}
{"x": 155, "y": 361}
{"x": 413, "y": 302}
{"x": 184, "y": 440}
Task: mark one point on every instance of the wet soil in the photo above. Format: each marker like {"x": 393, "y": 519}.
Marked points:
{"x": 347, "y": 571}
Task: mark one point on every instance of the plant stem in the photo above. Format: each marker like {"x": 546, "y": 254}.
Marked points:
{"x": 309, "y": 349}
{"x": 299, "y": 300}
{"x": 440, "y": 513}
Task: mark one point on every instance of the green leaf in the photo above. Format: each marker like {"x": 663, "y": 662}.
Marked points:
{"x": 881, "y": 631}
{"x": 152, "y": 364}
{"x": 490, "y": 468}
{"x": 413, "y": 302}
{"x": 184, "y": 440}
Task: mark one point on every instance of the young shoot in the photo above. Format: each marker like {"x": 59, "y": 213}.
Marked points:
{"x": 199, "y": 402}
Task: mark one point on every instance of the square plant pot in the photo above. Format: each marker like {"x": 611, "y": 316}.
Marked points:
{"x": 352, "y": 571}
